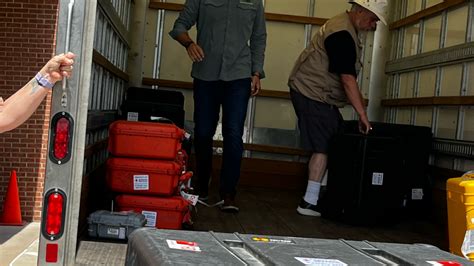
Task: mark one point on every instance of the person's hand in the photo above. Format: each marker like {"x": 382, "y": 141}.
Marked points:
{"x": 364, "y": 125}
{"x": 1, "y": 104}
{"x": 195, "y": 52}
{"x": 58, "y": 67}
{"x": 256, "y": 86}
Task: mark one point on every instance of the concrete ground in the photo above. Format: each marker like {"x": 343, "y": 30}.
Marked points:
{"x": 19, "y": 247}
{"x": 19, "y": 244}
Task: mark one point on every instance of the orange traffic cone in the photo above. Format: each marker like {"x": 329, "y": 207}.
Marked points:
{"x": 11, "y": 206}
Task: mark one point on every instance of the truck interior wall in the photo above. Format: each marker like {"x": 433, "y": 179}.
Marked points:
{"x": 415, "y": 38}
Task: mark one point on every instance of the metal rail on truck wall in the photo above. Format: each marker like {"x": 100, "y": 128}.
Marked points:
{"x": 69, "y": 106}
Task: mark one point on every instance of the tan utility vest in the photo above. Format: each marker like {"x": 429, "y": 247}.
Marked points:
{"x": 310, "y": 75}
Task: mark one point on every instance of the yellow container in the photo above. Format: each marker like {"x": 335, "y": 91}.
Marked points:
{"x": 460, "y": 197}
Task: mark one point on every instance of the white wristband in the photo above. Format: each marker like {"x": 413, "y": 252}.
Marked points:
{"x": 43, "y": 81}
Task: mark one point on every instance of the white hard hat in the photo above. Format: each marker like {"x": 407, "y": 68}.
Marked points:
{"x": 378, "y": 7}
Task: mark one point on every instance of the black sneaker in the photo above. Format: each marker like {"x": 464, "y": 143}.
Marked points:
{"x": 229, "y": 205}
{"x": 308, "y": 209}
{"x": 203, "y": 196}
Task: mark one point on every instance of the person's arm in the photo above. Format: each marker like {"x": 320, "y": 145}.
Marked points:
{"x": 195, "y": 51}
{"x": 258, "y": 42}
{"x": 342, "y": 56}
{"x": 355, "y": 98}
{"x": 21, "y": 105}
{"x": 186, "y": 19}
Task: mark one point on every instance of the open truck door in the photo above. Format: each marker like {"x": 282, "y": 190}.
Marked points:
{"x": 69, "y": 109}
{"x": 82, "y": 108}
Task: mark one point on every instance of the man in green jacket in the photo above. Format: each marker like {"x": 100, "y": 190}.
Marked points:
{"x": 227, "y": 67}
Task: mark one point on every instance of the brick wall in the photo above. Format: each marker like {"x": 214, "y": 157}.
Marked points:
{"x": 27, "y": 38}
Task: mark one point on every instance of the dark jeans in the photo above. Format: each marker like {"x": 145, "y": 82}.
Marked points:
{"x": 209, "y": 96}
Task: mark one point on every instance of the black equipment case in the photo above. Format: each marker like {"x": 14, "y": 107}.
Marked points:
{"x": 143, "y": 104}
{"x": 377, "y": 177}
{"x": 115, "y": 225}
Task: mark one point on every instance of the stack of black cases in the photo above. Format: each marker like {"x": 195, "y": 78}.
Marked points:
{"x": 144, "y": 104}
{"x": 166, "y": 247}
{"x": 376, "y": 178}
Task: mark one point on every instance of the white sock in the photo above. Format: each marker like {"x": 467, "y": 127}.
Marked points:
{"x": 312, "y": 192}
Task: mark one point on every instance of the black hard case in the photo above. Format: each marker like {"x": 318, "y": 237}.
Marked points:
{"x": 149, "y": 112}
{"x": 414, "y": 151}
{"x": 400, "y": 152}
{"x": 364, "y": 180}
{"x": 152, "y": 104}
{"x": 114, "y": 225}
{"x": 138, "y": 94}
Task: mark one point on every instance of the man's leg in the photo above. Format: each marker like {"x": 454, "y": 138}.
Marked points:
{"x": 234, "y": 111}
{"x": 206, "y": 115}
{"x": 316, "y": 168}
{"x": 318, "y": 123}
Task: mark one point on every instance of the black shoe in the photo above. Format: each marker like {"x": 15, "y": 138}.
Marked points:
{"x": 229, "y": 205}
{"x": 203, "y": 196}
{"x": 308, "y": 209}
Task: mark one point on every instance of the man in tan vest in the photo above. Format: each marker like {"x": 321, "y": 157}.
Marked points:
{"x": 324, "y": 79}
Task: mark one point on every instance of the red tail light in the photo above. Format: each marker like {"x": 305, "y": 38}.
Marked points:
{"x": 53, "y": 214}
{"x": 61, "y": 138}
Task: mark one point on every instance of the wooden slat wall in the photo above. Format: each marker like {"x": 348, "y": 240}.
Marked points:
{"x": 189, "y": 86}
{"x": 266, "y": 173}
{"x": 412, "y": 19}
{"x": 157, "y": 4}
{"x": 426, "y": 13}
{"x": 105, "y": 63}
{"x": 429, "y": 101}
{"x": 269, "y": 149}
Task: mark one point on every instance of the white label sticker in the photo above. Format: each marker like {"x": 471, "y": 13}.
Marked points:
{"x": 441, "y": 263}
{"x": 150, "y": 218}
{"x": 468, "y": 243}
{"x": 140, "y": 182}
{"x": 122, "y": 233}
{"x": 417, "y": 194}
{"x": 377, "y": 179}
{"x": 112, "y": 231}
{"x": 132, "y": 116}
{"x": 187, "y": 135}
{"x": 320, "y": 262}
{"x": 193, "y": 199}
{"x": 183, "y": 245}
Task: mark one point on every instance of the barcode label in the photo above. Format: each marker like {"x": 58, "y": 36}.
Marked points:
{"x": 150, "y": 218}
{"x": 112, "y": 231}
{"x": 417, "y": 194}
{"x": 132, "y": 116}
{"x": 141, "y": 182}
{"x": 122, "y": 233}
{"x": 377, "y": 179}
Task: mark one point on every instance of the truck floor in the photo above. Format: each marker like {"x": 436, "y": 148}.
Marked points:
{"x": 273, "y": 212}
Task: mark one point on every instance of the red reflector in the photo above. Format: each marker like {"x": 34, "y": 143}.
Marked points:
{"x": 61, "y": 138}
{"x": 54, "y": 214}
{"x": 51, "y": 252}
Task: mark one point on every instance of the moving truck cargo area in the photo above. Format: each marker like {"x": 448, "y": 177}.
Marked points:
{"x": 244, "y": 132}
